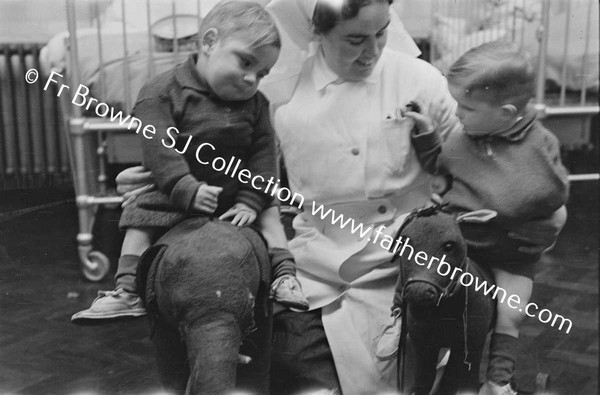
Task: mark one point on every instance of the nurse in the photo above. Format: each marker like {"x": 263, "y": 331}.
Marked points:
{"x": 335, "y": 97}
{"x": 345, "y": 147}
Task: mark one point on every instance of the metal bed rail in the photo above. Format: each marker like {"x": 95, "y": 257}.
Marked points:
{"x": 583, "y": 106}
{"x": 529, "y": 24}
{"x": 87, "y": 136}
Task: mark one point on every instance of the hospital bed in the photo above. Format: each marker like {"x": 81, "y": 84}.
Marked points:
{"x": 562, "y": 37}
{"x": 129, "y": 41}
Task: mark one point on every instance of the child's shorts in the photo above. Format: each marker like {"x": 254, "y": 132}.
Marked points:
{"x": 489, "y": 245}
{"x": 152, "y": 209}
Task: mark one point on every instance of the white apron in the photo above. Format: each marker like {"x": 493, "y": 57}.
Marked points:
{"x": 344, "y": 148}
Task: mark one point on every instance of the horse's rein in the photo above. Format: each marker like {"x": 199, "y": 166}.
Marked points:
{"x": 452, "y": 288}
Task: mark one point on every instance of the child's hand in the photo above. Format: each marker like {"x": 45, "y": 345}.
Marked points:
{"x": 207, "y": 198}
{"x": 241, "y": 213}
{"x": 422, "y": 122}
{"x": 540, "y": 234}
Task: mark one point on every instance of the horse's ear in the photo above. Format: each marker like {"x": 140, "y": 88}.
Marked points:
{"x": 477, "y": 216}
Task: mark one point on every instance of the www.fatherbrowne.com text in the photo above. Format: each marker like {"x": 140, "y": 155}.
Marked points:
{"x": 231, "y": 167}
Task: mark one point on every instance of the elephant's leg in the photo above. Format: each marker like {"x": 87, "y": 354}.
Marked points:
{"x": 454, "y": 371}
{"x": 480, "y": 317}
{"x": 170, "y": 357}
{"x": 212, "y": 355}
{"x": 424, "y": 334}
{"x": 462, "y": 371}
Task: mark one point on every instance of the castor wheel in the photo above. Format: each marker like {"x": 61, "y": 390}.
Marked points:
{"x": 95, "y": 266}
{"x": 542, "y": 382}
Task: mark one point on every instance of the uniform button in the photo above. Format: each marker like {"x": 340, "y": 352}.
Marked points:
{"x": 355, "y": 151}
{"x": 382, "y": 209}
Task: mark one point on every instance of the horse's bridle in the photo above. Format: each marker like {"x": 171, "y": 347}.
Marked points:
{"x": 445, "y": 293}
{"x": 452, "y": 288}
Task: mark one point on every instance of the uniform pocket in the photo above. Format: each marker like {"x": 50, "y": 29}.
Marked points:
{"x": 396, "y": 138}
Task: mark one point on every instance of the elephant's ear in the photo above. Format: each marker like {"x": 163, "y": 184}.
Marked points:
{"x": 477, "y": 216}
{"x": 146, "y": 275}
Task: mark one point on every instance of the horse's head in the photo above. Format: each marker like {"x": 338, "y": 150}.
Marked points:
{"x": 433, "y": 254}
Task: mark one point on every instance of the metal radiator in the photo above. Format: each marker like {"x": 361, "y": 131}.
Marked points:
{"x": 33, "y": 151}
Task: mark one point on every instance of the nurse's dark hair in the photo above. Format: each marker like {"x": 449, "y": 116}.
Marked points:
{"x": 242, "y": 18}
{"x": 496, "y": 72}
{"x": 328, "y": 13}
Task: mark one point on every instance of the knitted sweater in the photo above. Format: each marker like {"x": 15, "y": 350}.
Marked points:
{"x": 239, "y": 130}
{"x": 517, "y": 173}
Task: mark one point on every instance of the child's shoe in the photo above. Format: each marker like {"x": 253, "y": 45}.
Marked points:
{"x": 490, "y": 388}
{"x": 112, "y": 304}
{"x": 287, "y": 291}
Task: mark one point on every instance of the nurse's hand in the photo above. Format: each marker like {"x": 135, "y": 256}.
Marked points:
{"x": 133, "y": 182}
{"x": 133, "y": 178}
{"x": 540, "y": 234}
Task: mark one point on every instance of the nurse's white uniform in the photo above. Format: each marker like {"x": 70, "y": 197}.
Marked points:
{"x": 344, "y": 148}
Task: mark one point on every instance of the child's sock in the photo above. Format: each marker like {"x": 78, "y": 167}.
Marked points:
{"x": 282, "y": 262}
{"x": 502, "y": 358}
{"x": 126, "y": 270}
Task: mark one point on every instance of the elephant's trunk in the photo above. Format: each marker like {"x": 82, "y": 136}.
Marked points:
{"x": 212, "y": 355}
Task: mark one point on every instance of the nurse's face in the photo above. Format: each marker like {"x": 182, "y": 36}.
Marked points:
{"x": 353, "y": 47}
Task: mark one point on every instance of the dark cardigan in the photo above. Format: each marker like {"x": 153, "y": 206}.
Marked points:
{"x": 519, "y": 174}
{"x": 180, "y": 98}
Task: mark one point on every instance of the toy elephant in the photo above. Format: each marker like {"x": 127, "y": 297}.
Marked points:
{"x": 200, "y": 282}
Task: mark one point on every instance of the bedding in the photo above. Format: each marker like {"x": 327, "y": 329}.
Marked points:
{"x": 505, "y": 20}
{"x": 54, "y": 56}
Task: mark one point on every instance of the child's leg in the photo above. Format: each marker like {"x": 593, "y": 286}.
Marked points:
{"x": 509, "y": 319}
{"x": 504, "y": 341}
{"x": 123, "y": 301}
{"x": 136, "y": 241}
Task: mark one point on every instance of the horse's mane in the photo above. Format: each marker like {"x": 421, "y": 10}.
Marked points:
{"x": 423, "y": 212}
{"x": 428, "y": 211}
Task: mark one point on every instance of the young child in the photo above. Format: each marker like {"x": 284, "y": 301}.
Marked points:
{"x": 212, "y": 100}
{"x": 503, "y": 160}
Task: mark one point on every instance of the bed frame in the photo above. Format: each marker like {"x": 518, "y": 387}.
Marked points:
{"x": 89, "y": 137}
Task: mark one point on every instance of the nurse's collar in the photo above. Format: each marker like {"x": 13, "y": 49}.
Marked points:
{"x": 323, "y": 76}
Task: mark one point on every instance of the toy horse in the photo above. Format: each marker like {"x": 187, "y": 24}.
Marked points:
{"x": 439, "y": 311}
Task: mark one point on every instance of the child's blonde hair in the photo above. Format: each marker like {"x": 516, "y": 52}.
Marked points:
{"x": 243, "y": 18}
{"x": 498, "y": 72}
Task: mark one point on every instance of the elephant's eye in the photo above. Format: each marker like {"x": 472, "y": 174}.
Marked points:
{"x": 449, "y": 246}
